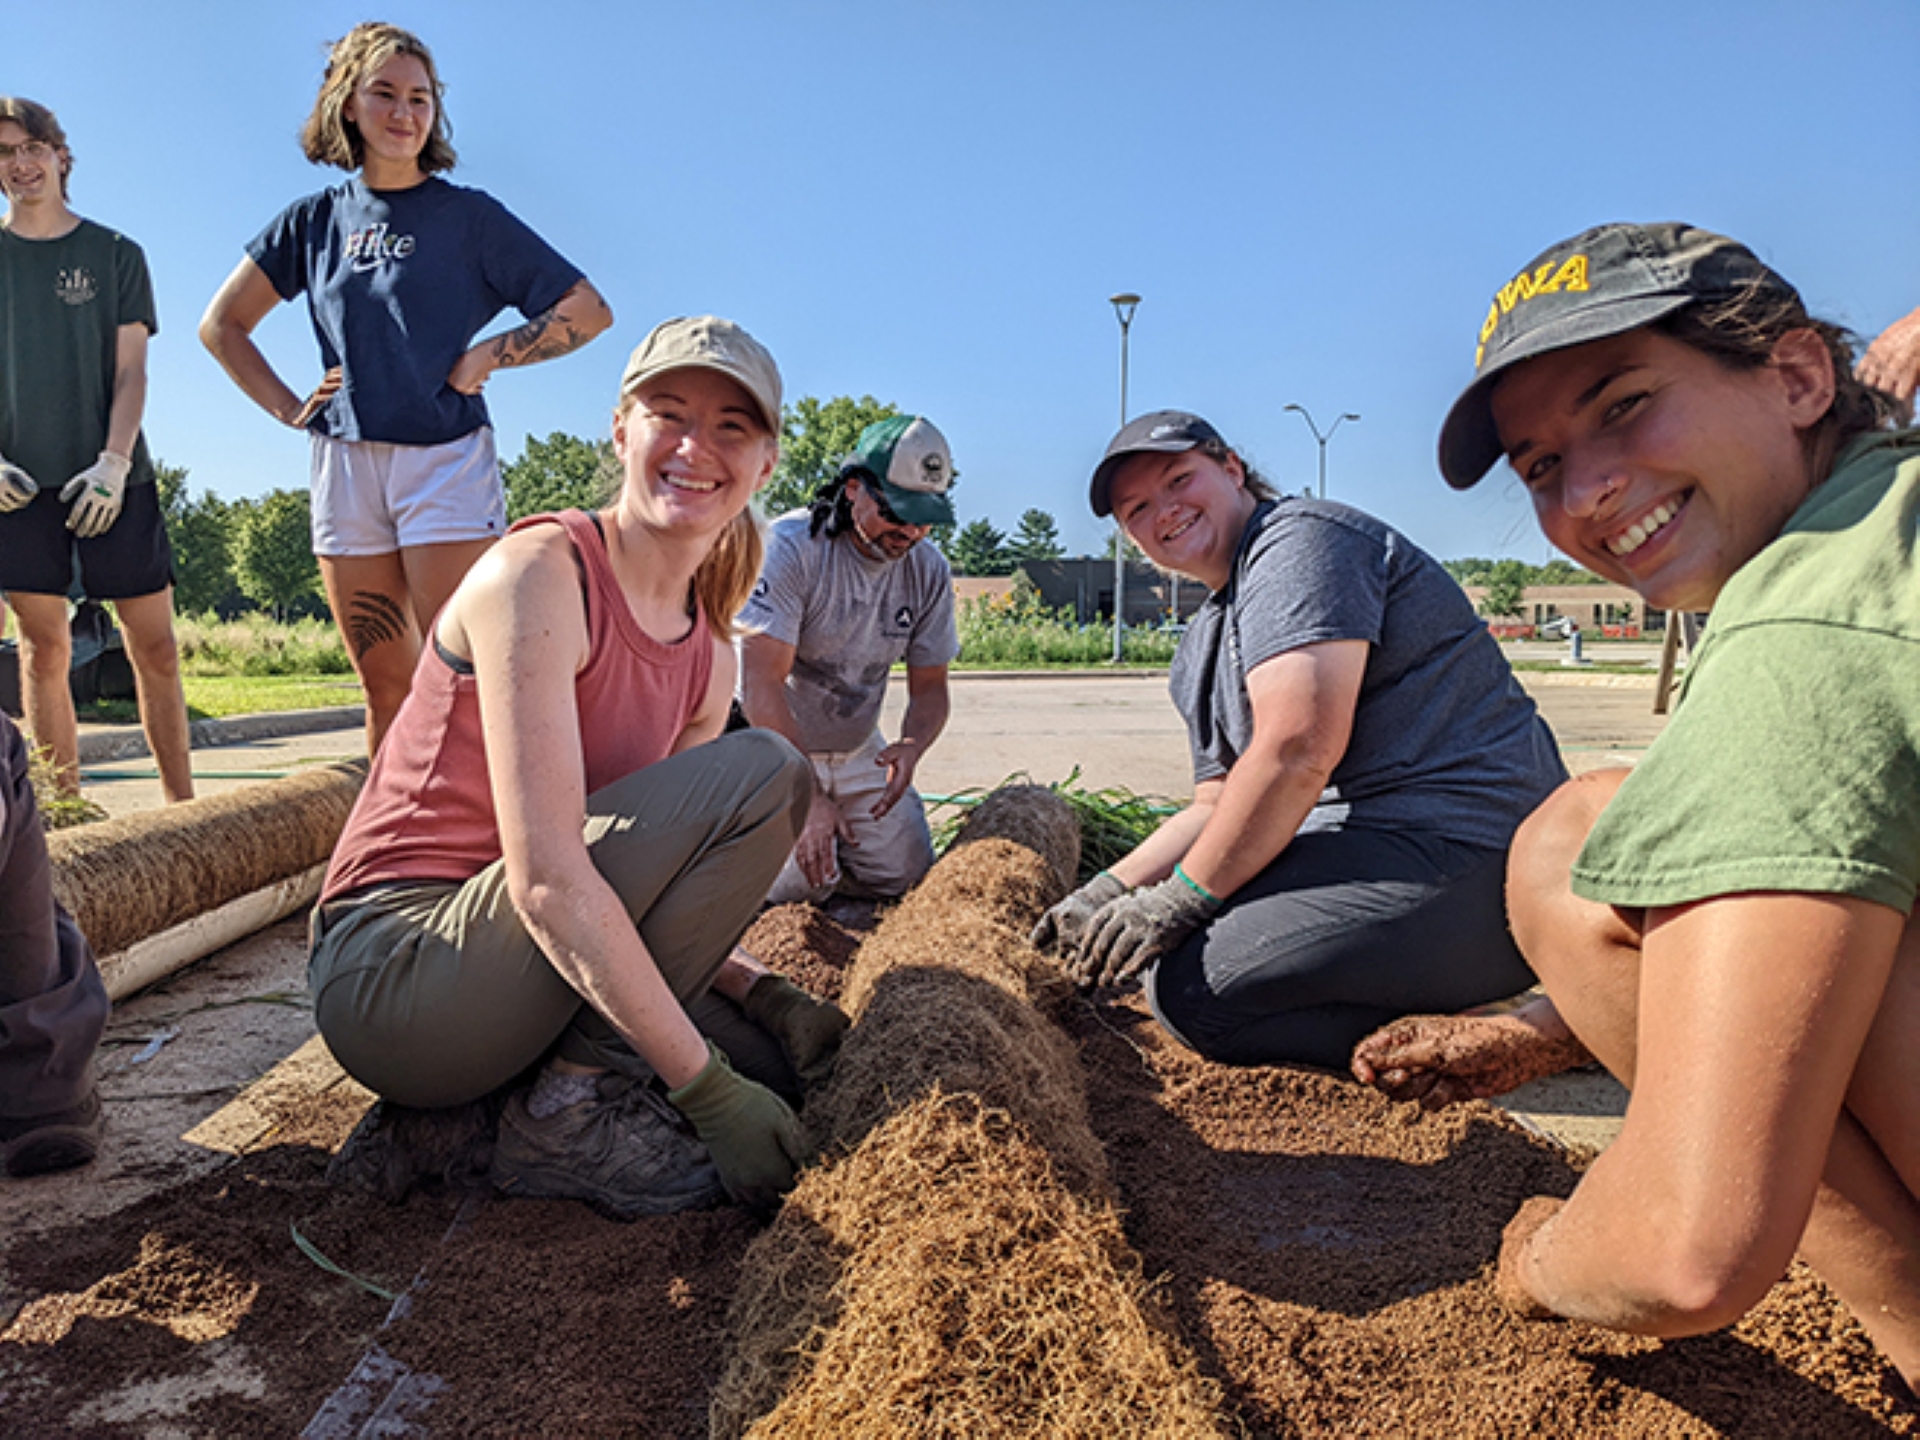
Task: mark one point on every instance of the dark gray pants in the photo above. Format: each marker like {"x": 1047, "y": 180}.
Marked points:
{"x": 1346, "y": 931}
{"x": 53, "y": 1004}
{"x": 432, "y": 993}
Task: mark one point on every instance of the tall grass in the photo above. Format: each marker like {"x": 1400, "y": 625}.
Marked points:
{"x": 1016, "y": 631}
{"x": 259, "y": 646}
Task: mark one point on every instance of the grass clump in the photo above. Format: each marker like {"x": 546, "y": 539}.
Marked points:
{"x": 1113, "y": 820}
{"x": 58, "y": 810}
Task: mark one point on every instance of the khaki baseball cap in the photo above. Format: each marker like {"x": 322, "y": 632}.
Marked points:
{"x": 706, "y": 342}
{"x": 1603, "y": 282}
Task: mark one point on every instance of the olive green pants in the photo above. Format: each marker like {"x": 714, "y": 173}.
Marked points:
{"x": 432, "y": 993}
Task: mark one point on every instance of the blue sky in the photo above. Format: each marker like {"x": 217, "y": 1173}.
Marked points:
{"x": 931, "y": 203}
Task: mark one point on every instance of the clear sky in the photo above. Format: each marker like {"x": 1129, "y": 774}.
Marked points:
{"x": 931, "y": 203}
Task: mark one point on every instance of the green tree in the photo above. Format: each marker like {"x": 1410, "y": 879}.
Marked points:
{"x": 1506, "y": 584}
{"x": 1471, "y": 571}
{"x": 1561, "y": 571}
{"x": 201, "y": 533}
{"x": 979, "y": 549}
{"x": 1038, "y": 538}
{"x": 273, "y": 553}
{"x": 561, "y": 472}
{"x": 814, "y": 439}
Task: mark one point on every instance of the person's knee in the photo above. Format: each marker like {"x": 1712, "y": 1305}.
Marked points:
{"x": 1540, "y": 864}
{"x": 1190, "y": 1012}
{"x": 772, "y": 764}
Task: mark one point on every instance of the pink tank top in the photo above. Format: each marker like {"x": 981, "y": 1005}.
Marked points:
{"x": 427, "y": 810}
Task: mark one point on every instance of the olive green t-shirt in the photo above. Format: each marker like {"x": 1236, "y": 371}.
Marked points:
{"x": 1792, "y": 761}
{"x": 62, "y": 303}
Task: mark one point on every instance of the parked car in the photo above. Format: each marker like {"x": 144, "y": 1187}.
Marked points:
{"x": 1560, "y": 627}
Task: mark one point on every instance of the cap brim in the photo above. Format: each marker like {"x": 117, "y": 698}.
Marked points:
{"x": 739, "y": 377}
{"x": 1100, "y": 491}
{"x": 916, "y": 507}
{"x": 1470, "y": 441}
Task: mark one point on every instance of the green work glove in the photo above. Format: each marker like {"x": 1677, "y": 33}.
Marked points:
{"x": 1140, "y": 927}
{"x": 1065, "y": 925}
{"x": 755, "y": 1141}
{"x": 809, "y": 1030}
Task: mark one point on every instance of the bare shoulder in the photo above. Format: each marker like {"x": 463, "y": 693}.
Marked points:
{"x": 527, "y": 581}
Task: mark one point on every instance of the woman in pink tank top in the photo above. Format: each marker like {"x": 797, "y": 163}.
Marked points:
{"x": 531, "y": 920}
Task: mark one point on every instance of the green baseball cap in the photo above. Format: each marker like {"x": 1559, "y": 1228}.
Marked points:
{"x": 1603, "y": 282}
{"x": 909, "y": 460}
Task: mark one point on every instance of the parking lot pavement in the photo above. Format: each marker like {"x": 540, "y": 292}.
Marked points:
{"x": 1116, "y": 729}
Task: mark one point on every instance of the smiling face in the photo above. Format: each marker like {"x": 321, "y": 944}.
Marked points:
{"x": 1187, "y": 510}
{"x": 392, "y": 107}
{"x": 30, "y": 179}
{"x": 694, "y": 449}
{"x": 1655, "y": 465}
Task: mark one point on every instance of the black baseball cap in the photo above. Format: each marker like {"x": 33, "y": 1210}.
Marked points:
{"x": 1603, "y": 282}
{"x": 1163, "y": 432}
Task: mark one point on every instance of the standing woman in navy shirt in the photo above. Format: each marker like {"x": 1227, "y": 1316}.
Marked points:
{"x": 401, "y": 271}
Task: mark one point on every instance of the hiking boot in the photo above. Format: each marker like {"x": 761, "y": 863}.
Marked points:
{"x": 396, "y": 1148}
{"x": 45, "y": 1143}
{"x": 626, "y": 1152}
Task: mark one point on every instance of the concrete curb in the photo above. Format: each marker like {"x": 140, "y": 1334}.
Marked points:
{"x": 102, "y": 743}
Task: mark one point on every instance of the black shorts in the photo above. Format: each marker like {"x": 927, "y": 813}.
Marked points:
{"x": 40, "y": 556}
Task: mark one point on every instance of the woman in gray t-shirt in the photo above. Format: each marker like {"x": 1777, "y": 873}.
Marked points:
{"x": 1362, "y": 756}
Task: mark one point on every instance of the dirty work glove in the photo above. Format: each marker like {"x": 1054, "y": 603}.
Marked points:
{"x": 808, "y": 1030}
{"x": 754, "y": 1138}
{"x": 96, "y": 494}
{"x": 17, "y": 487}
{"x": 1065, "y": 925}
{"x": 1140, "y": 927}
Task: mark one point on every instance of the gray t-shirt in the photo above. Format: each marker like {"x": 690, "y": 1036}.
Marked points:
{"x": 1444, "y": 739}
{"x": 850, "y": 618}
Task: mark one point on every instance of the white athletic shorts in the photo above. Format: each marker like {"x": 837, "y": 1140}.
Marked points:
{"x": 371, "y": 498}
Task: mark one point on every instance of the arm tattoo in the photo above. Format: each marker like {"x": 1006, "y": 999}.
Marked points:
{"x": 373, "y": 619}
{"x": 544, "y": 337}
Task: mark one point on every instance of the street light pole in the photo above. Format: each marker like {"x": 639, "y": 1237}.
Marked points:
{"x": 1124, "y": 304}
{"x": 1322, "y": 439}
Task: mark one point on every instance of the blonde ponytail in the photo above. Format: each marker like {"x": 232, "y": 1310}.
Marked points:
{"x": 726, "y": 577}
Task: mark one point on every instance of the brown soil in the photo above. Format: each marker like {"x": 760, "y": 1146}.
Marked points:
{"x": 1325, "y": 1256}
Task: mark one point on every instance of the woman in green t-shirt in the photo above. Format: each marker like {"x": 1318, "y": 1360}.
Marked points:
{"x": 1730, "y": 927}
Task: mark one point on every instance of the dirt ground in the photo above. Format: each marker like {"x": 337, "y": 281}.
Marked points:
{"x": 1325, "y": 1255}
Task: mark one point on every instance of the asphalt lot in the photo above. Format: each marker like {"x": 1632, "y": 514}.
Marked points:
{"x": 1116, "y": 729}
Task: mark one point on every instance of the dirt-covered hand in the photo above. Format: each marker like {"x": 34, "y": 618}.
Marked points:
{"x": 1065, "y": 925}
{"x": 96, "y": 494}
{"x": 809, "y": 1030}
{"x": 1514, "y": 1240}
{"x": 755, "y": 1141}
{"x": 17, "y": 487}
{"x": 1138, "y": 928}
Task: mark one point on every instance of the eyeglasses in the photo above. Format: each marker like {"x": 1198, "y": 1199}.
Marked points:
{"x": 26, "y": 150}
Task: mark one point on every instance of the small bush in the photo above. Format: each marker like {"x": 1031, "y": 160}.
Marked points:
{"x": 1016, "y": 631}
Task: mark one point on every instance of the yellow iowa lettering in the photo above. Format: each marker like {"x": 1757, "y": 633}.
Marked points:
{"x": 1572, "y": 275}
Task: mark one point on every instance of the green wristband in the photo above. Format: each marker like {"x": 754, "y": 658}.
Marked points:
{"x": 1195, "y": 886}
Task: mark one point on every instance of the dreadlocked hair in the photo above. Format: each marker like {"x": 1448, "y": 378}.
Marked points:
{"x": 831, "y": 508}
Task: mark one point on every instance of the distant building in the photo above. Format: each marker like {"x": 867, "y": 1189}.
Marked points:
{"x": 1602, "y": 609}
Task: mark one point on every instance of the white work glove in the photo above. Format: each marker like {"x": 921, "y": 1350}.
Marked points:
{"x": 17, "y": 487}
{"x": 96, "y": 495}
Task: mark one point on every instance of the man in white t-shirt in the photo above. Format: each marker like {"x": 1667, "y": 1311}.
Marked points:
{"x": 850, "y": 589}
